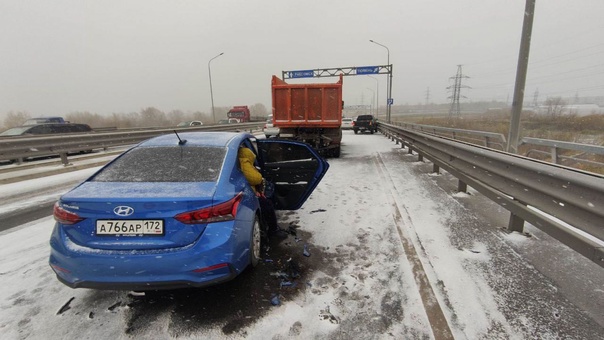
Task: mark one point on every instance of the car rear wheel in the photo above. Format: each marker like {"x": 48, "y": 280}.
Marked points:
{"x": 255, "y": 243}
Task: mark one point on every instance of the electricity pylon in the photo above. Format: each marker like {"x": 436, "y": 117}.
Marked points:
{"x": 456, "y": 92}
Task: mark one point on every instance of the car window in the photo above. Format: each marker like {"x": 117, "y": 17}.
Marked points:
{"x": 165, "y": 164}
{"x": 275, "y": 152}
{"x": 40, "y": 130}
{"x": 60, "y": 128}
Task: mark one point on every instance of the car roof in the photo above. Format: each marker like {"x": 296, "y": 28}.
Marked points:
{"x": 206, "y": 138}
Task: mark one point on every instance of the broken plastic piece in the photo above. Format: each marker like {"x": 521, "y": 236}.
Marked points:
{"x": 306, "y": 252}
{"x": 275, "y": 300}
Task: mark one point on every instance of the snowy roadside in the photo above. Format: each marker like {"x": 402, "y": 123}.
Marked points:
{"x": 358, "y": 280}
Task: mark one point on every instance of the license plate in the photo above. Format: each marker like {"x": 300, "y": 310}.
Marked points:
{"x": 129, "y": 227}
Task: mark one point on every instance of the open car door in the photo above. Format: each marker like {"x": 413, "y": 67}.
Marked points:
{"x": 294, "y": 168}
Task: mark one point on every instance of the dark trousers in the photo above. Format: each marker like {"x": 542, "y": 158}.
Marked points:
{"x": 268, "y": 213}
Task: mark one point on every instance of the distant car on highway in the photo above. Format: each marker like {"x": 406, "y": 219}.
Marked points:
{"x": 190, "y": 123}
{"x": 347, "y": 123}
{"x": 46, "y": 129}
{"x": 176, "y": 211}
{"x": 365, "y": 123}
{"x": 269, "y": 129}
{"x": 44, "y": 120}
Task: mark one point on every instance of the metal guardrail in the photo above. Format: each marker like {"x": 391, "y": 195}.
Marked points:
{"x": 488, "y": 139}
{"x": 549, "y": 196}
{"x": 555, "y": 146}
{"x": 20, "y": 148}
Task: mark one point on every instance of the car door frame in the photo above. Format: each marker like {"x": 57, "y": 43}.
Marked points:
{"x": 294, "y": 178}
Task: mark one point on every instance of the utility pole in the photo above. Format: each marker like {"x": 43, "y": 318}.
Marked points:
{"x": 427, "y": 99}
{"x": 521, "y": 70}
{"x": 536, "y": 99}
{"x": 456, "y": 92}
{"x": 427, "y": 96}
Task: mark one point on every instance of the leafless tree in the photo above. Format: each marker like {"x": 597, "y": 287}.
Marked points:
{"x": 258, "y": 110}
{"x": 555, "y": 106}
{"x": 151, "y": 116}
{"x": 15, "y": 118}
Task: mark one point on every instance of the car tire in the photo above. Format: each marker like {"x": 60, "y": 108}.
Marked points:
{"x": 356, "y": 131}
{"x": 256, "y": 242}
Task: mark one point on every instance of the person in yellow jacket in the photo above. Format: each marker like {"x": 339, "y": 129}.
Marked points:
{"x": 254, "y": 177}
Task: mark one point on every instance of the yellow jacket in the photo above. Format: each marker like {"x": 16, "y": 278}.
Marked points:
{"x": 246, "y": 162}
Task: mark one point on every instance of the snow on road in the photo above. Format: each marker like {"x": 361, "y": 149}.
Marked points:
{"x": 395, "y": 255}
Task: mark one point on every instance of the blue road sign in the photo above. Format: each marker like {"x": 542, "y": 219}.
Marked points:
{"x": 390, "y": 101}
{"x": 301, "y": 74}
{"x": 368, "y": 70}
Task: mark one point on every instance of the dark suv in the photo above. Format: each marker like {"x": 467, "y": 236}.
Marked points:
{"x": 47, "y": 129}
{"x": 365, "y": 123}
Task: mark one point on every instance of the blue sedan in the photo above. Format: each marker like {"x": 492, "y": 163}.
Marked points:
{"x": 175, "y": 211}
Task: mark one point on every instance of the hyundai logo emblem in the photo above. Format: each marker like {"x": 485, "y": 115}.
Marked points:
{"x": 123, "y": 210}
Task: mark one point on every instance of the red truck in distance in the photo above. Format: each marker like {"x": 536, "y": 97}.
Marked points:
{"x": 239, "y": 113}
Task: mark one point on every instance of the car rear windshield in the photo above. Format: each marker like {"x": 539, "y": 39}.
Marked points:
{"x": 165, "y": 164}
{"x": 365, "y": 117}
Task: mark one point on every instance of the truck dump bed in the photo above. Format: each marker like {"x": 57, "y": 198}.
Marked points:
{"x": 306, "y": 105}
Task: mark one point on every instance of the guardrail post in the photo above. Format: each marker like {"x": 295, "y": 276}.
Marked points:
{"x": 555, "y": 158}
{"x": 486, "y": 141}
{"x": 64, "y": 159}
{"x": 410, "y": 152}
{"x": 420, "y": 157}
{"x": 515, "y": 224}
{"x": 435, "y": 169}
{"x": 462, "y": 186}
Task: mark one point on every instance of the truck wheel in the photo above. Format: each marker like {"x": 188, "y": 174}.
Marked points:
{"x": 356, "y": 131}
{"x": 336, "y": 152}
{"x": 372, "y": 131}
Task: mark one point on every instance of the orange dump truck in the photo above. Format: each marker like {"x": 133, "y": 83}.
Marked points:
{"x": 310, "y": 113}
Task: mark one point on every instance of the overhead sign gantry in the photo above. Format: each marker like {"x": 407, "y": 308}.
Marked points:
{"x": 346, "y": 71}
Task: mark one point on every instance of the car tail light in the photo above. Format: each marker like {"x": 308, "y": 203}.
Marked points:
{"x": 225, "y": 211}
{"x": 265, "y": 126}
{"x": 352, "y": 123}
{"x": 64, "y": 216}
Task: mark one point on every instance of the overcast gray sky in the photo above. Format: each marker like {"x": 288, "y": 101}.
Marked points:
{"x": 110, "y": 56}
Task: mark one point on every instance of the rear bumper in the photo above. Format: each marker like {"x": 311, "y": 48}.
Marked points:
{"x": 270, "y": 132}
{"x": 142, "y": 286}
{"x": 210, "y": 260}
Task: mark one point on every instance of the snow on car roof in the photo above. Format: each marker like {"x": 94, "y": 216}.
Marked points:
{"x": 197, "y": 138}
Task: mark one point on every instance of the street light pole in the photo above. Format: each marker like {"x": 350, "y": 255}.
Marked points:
{"x": 372, "y": 101}
{"x": 377, "y": 96}
{"x": 211, "y": 92}
{"x": 389, "y": 84}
